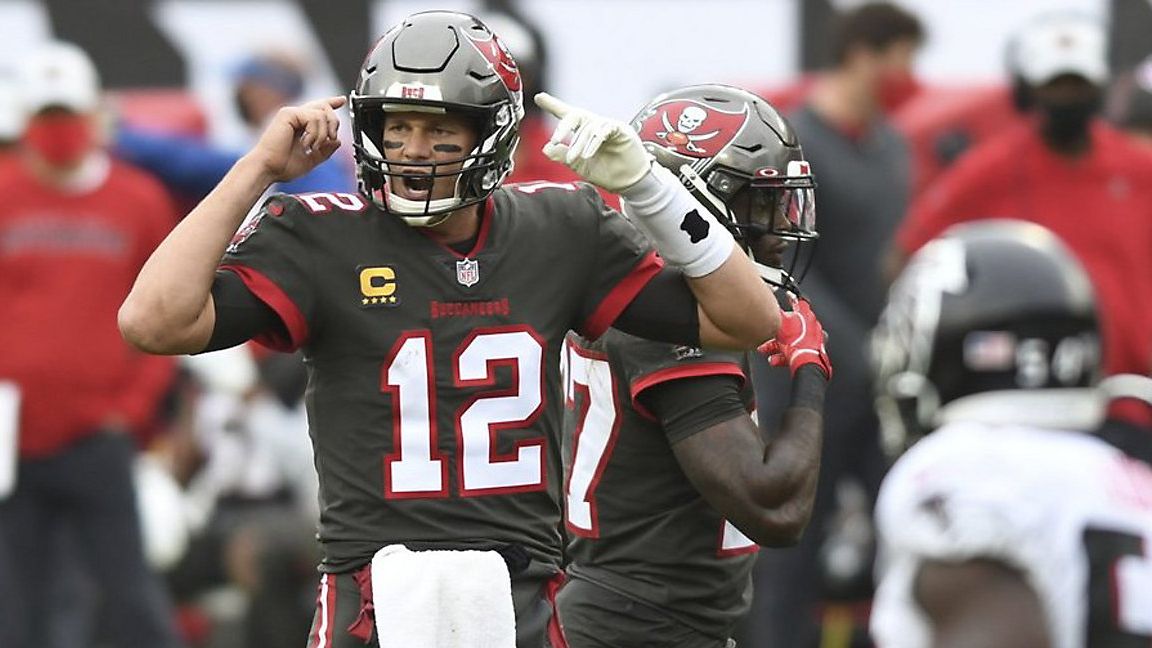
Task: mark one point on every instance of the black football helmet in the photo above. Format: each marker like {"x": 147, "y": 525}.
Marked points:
{"x": 990, "y": 306}
{"x": 735, "y": 153}
{"x": 438, "y": 61}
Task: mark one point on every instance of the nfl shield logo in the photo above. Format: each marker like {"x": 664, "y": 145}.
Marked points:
{"x": 467, "y": 272}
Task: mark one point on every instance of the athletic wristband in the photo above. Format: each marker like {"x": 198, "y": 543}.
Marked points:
{"x": 687, "y": 235}
{"x": 808, "y": 387}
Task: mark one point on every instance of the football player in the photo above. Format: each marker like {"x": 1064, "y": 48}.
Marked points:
{"x": 432, "y": 306}
{"x": 670, "y": 486}
{"x": 1021, "y": 520}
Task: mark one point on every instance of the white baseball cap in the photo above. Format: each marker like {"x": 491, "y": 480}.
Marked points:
{"x": 59, "y": 74}
{"x": 1061, "y": 44}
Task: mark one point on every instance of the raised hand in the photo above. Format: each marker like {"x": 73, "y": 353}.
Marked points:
{"x": 299, "y": 138}
{"x": 799, "y": 341}
{"x": 606, "y": 152}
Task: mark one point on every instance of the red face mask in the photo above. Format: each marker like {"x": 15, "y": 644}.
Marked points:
{"x": 61, "y": 139}
{"x": 895, "y": 90}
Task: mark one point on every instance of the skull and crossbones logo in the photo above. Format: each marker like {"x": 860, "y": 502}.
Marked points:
{"x": 691, "y": 118}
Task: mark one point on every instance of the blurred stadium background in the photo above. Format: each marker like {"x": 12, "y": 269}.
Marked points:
{"x": 609, "y": 55}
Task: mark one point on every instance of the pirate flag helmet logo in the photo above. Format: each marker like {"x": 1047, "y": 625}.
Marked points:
{"x": 691, "y": 128}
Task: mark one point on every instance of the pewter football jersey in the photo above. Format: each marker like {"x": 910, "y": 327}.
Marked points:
{"x": 636, "y": 524}
{"x": 433, "y": 394}
{"x": 1070, "y": 512}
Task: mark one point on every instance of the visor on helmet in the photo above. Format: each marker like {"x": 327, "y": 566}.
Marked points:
{"x": 784, "y": 205}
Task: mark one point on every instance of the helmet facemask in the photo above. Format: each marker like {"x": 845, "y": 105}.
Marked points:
{"x": 476, "y": 172}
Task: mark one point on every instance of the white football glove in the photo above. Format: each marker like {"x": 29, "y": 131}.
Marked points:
{"x": 605, "y": 152}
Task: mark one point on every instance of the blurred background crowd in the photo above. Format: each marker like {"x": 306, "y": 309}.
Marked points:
{"x": 915, "y": 115}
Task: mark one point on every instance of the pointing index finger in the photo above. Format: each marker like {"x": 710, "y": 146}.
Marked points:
{"x": 551, "y": 104}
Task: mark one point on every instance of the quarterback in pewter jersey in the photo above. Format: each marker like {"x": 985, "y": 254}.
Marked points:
{"x": 1020, "y": 519}
{"x": 670, "y": 485}
{"x": 431, "y": 308}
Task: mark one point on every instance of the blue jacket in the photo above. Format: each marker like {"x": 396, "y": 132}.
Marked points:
{"x": 191, "y": 168}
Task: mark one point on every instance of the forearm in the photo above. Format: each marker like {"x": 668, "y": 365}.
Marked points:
{"x": 169, "y": 308}
{"x": 765, "y": 488}
{"x": 792, "y": 460}
{"x": 737, "y": 310}
{"x": 792, "y": 457}
{"x": 781, "y": 486}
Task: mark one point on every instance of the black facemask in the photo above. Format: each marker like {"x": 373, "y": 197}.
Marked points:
{"x": 1065, "y": 123}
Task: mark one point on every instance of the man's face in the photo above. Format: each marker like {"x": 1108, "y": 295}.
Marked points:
{"x": 897, "y": 59}
{"x": 60, "y": 137}
{"x": 895, "y": 77}
{"x": 760, "y": 207}
{"x": 424, "y": 138}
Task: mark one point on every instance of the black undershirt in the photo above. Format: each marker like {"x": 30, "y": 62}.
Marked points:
{"x": 240, "y": 315}
{"x": 664, "y": 310}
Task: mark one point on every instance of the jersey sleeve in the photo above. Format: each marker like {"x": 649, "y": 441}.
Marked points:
{"x": 647, "y": 364}
{"x": 271, "y": 255}
{"x": 624, "y": 263}
{"x": 948, "y": 500}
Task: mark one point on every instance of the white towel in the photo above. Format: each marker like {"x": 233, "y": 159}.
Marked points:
{"x": 442, "y": 599}
{"x": 9, "y": 435}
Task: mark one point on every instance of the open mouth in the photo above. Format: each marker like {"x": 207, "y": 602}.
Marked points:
{"x": 415, "y": 185}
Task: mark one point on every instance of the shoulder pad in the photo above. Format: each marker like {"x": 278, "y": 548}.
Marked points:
{"x": 947, "y": 500}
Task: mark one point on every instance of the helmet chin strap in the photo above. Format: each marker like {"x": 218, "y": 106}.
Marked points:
{"x": 777, "y": 277}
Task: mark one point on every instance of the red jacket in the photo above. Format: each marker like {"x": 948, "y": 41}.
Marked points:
{"x": 67, "y": 261}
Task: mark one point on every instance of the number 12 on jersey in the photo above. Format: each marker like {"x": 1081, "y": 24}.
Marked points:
{"x": 416, "y": 468}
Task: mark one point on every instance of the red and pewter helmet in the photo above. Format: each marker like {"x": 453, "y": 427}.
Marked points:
{"x": 732, "y": 149}
{"x": 438, "y": 61}
{"x": 733, "y": 141}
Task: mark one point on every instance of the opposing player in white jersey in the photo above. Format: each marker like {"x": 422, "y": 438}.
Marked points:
{"x": 1025, "y": 518}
